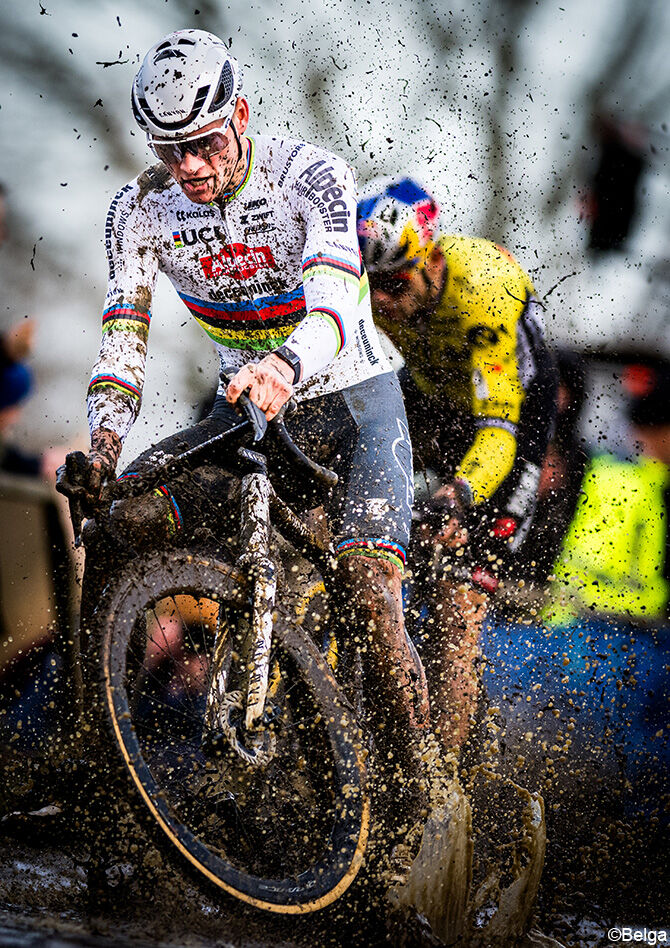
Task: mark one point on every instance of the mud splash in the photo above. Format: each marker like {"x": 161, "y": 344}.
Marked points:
{"x": 477, "y": 873}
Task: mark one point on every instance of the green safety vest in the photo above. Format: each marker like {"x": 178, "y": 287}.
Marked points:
{"x": 613, "y": 555}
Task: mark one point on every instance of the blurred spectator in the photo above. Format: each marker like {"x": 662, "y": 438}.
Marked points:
{"x": 610, "y": 202}
{"x": 36, "y": 592}
{"x": 600, "y": 660}
{"x": 16, "y": 384}
{"x": 562, "y": 472}
{"x": 614, "y": 560}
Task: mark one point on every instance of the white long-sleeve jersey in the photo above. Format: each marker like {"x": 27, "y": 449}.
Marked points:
{"x": 277, "y": 263}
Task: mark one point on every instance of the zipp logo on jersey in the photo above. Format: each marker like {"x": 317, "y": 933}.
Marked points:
{"x": 329, "y": 201}
{"x": 238, "y": 262}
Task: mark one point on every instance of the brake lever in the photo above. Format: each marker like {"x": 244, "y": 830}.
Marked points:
{"x": 69, "y": 479}
{"x": 259, "y": 422}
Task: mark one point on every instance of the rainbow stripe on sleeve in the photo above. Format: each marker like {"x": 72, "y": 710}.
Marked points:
{"x": 334, "y": 320}
{"x": 123, "y": 317}
{"x": 376, "y": 547}
{"x": 175, "y": 522}
{"x": 102, "y": 382}
{"x": 330, "y": 266}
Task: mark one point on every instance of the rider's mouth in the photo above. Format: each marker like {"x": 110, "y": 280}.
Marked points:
{"x": 196, "y": 185}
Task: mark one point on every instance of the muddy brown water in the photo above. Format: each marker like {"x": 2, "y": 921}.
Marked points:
{"x": 46, "y": 902}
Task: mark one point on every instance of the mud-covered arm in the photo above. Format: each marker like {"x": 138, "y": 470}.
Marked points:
{"x": 117, "y": 379}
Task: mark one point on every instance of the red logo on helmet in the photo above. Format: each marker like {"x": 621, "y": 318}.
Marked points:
{"x": 426, "y": 217}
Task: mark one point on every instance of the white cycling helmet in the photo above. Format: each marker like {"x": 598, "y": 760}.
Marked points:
{"x": 187, "y": 80}
{"x": 397, "y": 224}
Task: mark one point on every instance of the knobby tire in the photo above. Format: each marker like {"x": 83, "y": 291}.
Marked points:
{"x": 163, "y": 800}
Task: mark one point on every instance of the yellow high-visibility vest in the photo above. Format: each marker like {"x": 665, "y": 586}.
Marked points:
{"x": 613, "y": 555}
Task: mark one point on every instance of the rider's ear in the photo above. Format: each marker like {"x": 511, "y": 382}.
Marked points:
{"x": 241, "y": 115}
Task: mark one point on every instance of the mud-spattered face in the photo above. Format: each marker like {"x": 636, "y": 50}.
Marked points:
{"x": 203, "y": 179}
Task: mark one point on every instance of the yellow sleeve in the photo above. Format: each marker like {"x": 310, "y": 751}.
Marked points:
{"x": 487, "y": 462}
{"x": 489, "y": 291}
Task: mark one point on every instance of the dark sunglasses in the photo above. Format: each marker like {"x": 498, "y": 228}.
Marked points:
{"x": 203, "y": 146}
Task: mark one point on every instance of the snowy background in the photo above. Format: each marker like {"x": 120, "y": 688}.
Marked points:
{"x": 491, "y": 103}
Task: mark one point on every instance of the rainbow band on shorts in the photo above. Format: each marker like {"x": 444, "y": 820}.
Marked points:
{"x": 175, "y": 522}
{"x": 376, "y": 546}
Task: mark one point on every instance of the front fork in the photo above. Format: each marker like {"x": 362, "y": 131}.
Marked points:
{"x": 255, "y": 543}
{"x": 256, "y": 562}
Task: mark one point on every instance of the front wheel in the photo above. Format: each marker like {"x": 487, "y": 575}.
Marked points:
{"x": 288, "y": 836}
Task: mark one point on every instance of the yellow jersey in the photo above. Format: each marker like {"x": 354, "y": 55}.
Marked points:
{"x": 477, "y": 351}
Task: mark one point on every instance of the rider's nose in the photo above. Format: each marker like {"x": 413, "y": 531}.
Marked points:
{"x": 190, "y": 164}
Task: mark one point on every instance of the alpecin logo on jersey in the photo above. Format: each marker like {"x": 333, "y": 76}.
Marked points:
{"x": 238, "y": 262}
{"x": 321, "y": 189}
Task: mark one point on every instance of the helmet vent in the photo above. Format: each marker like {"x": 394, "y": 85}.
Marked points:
{"x": 225, "y": 88}
{"x": 182, "y": 123}
{"x": 169, "y": 54}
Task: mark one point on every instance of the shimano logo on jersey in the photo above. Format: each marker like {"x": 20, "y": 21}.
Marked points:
{"x": 323, "y": 191}
{"x": 238, "y": 262}
{"x": 109, "y": 228}
{"x": 367, "y": 345}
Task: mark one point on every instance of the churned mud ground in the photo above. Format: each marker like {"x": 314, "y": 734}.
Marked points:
{"x": 46, "y": 902}
{"x": 593, "y": 749}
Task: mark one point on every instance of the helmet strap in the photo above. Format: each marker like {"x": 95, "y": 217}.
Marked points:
{"x": 226, "y": 191}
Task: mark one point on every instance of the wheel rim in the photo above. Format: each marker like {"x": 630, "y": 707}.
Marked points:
{"x": 330, "y": 870}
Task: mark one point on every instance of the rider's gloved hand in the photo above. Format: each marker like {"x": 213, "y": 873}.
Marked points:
{"x": 270, "y": 384}
{"x": 82, "y": 475}
{"x": 443, "y": 514}
{"x": 101, "y": 461}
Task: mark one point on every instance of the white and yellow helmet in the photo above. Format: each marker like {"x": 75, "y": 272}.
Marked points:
{"x": 397, "y": 224}
{"x": 187, "y": 80}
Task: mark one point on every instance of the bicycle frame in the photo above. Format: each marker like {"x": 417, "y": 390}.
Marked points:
{"x": 257, "y": 499}
{"x": 256, "y": 562}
